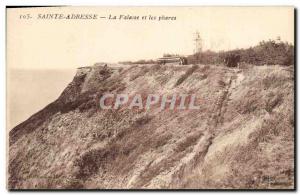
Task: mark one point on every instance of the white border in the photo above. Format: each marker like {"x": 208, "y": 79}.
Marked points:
{"x": 3, "y": 3}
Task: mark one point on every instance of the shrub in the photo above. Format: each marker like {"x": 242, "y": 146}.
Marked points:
{"x": 89, "y": 163}
{"x": 266, "y": 52}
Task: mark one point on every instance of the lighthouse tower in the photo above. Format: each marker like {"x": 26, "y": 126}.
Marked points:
{"x": 198, "y": 42}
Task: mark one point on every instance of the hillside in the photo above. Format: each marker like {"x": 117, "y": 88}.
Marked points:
{"x": 241, "y": 137}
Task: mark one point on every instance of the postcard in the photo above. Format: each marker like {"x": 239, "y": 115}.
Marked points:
{"x": 150, "y": 98}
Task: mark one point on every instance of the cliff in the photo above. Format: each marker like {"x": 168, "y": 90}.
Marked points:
{"x": 241, "y": 137}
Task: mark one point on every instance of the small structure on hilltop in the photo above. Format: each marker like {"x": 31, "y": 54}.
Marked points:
{"x": 181, "y": 60}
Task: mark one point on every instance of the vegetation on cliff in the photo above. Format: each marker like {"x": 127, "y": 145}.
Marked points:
{"x": 241, "y": 137}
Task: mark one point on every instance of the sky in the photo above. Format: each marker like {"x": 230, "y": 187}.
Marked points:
{"x": 68, "y": 44}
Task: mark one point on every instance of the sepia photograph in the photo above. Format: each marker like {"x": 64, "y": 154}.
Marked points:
{"x": 150, "y": 98}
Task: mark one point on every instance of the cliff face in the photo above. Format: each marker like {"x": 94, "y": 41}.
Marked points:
{"x": 241, "y": 137}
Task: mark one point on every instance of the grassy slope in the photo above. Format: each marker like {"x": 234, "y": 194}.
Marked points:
{"x": 242, "y": 137}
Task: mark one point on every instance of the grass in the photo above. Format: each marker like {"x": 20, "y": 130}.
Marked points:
{"x": 269, "y": 129}
{"x": 273, "y": 100}
{"x": 274, "y": 81}
{"x": 118, "y": 145}
{"x": 187, "y": 142}
{"x": 186, "y": 75}
{"x": 142, "y": 72}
